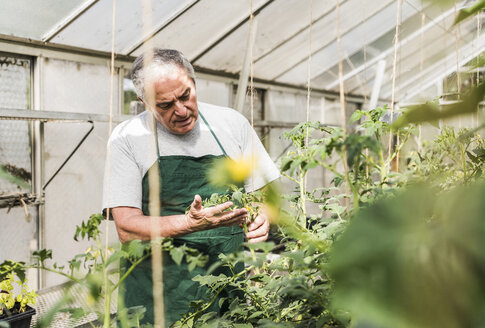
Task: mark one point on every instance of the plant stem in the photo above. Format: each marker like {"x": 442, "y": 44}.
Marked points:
{"x": 127, "y": 273}
{"x": 107, "y": 307}
{"x": 302, "y": 200}
{"x": 70, "y": 277}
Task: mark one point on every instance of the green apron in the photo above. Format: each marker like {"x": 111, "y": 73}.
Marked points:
{"x": 181, "y": 178}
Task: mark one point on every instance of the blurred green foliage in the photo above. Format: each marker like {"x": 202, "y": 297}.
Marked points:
{"x": 415, "y": 260}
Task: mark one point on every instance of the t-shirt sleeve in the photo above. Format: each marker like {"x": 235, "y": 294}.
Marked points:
{"x": 122, "y": 176}
{"x": 265, "y": 169}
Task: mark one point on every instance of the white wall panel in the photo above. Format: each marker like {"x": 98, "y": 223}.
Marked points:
{"x": 214, "y": 92}
{"x": 76, "y": 192}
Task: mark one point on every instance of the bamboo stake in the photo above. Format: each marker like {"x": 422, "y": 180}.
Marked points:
{"x": 251, "y": 86}
{"x": 394, "y": 65}
{"x": 155, "y": 187}
{"x": 421, "y": 63}
{"x": 342, "y": 104}
{"x": 478, "y": 68}
{"x": 107, "y": 293}
{"x": 308, "y": 98}
{"x": 457, "y": 52}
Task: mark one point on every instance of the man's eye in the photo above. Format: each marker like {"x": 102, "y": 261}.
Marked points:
{"x": 164, "y": 106}
{"x": 185, "y": 96}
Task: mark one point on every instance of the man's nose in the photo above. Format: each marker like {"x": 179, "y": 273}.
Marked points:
{"x": 180, "y": 109}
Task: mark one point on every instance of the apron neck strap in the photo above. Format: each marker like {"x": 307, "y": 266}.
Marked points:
{"x": 213, "y": 134}
{"x": 155, "y": 133}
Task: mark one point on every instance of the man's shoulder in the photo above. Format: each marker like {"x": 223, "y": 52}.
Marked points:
{"x": 134, "y": 126}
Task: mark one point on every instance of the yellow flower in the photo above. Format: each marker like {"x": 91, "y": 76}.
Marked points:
{"x": 231, "y": 171}
{"x": 239, "y": 170}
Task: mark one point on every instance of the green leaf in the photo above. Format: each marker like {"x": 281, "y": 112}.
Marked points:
{"x": 75, "y": 313}
{"x": 264, "y": 246}
{"x": 476, "y": 63}
{"x": 177, "y": 255}
{"x": 221, "y": 301}
{"x": 136, "y": 248}
{"x": 433, "y": 112}
{"x": 480, "y": 152}
{"x": 237, "y": 198}
{"x": 196, "y": 304}
{"x": 286, "y": 163}
{"x": 255, "y": 315}
{"x": 356, "y": 116}
{"x": 391, "y": 264}
{"x": 115, "y": 257}
{"x": 4, "y": 174}
{"x": 474, "y": 159}
{"x": 42, "y": 254}
{"x": 210, "y": 279}
{"x": 469, "y": 11}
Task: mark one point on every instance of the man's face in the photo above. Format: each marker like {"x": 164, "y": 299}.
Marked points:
{"x": 175, "y": 100}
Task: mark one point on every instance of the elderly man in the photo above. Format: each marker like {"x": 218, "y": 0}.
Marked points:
{"x": 182, "y": 137}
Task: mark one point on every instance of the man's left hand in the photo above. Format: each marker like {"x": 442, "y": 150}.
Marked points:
{"x": 258, "y": 229}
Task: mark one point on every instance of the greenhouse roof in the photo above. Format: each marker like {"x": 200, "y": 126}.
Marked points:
{"x": 214, "y": 36}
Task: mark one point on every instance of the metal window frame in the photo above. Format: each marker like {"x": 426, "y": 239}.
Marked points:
{"x": 68, "y": 20}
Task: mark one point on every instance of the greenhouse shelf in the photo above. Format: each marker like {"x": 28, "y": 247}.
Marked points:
{"x": 49, "y": 297}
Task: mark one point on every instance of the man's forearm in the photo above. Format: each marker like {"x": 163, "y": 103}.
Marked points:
{"x": 132, "y": 224}
{"x": 139, "y": 226}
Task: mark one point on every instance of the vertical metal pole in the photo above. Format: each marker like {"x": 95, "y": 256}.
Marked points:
{"x": 266, "y": 130}
{"x": 121, "y": 91}
{"x": 439, "y": 92}
{"x": 38, "y": 157}
{"x": 380, "y": 69}
{"x": 244, "y": 74}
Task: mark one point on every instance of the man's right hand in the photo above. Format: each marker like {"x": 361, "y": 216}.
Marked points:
{"x": 200, "y": 218}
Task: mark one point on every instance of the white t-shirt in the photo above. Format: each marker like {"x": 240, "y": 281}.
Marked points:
{"x": 132, "y": 151}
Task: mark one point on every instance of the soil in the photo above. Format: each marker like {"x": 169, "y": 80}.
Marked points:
{"x": 11, "y": 312}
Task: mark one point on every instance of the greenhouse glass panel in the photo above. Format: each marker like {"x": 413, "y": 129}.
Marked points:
{"x": 32, "y": 19}
{"x": 202, "y": 26}
{"x": 93, "y": 29}
{"x": 15, "y": 154}
{"x": 131, "y": 104}
{"x": 277, "y": 24}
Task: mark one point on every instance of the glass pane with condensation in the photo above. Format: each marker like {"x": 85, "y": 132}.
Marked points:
{"x": 15, "y": 153}
{"x": 93, "y": 28}
{"x": 32, "y": 19}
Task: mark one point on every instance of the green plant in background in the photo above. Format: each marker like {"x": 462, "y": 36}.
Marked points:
{"x": 11, "y": 302}
{"x": 453, "y": 158}
{"x": 96, "y": 271}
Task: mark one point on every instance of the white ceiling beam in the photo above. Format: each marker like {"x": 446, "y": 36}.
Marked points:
{"x": 68, "y": 20}
{"x": 380, "y": 69}
{"x": 390, "y": 50}
{"x": 159, "y": 27}
{"x": 246, "y": 68}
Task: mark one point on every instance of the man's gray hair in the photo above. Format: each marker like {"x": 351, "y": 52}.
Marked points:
{"x": 160, "y": 57}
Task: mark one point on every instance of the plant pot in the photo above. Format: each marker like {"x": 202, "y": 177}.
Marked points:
{"x": 20, "y": 320}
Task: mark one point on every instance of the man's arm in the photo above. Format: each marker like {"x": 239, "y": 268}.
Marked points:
{"x": 132, "y": 224}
